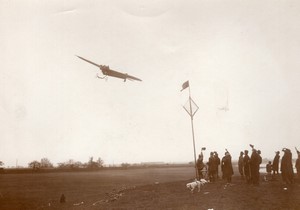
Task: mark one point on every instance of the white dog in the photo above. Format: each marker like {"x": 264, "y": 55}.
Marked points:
{"x": 192, "y": 185}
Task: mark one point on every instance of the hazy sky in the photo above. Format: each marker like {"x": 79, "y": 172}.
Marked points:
{"x": 52, "y": 105}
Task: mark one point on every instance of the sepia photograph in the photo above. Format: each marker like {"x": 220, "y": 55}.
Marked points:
{"x": 139, "y": 104}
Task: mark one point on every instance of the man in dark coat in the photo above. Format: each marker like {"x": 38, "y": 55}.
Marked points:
{"x": 247, "y": 166}
{"x": 275, "y": 164}
{"x": 255, "y": 162}
{"x": 286, "y": 167}
{"x": 200, "y": 165}
{"x": 227, "y": 169}
{"x": 241, "y": 164}
{"x": 212, "y": 167}
{"x": 218, "y": 162}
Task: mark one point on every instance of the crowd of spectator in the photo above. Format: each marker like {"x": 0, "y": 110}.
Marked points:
{"x": 249, "y": 166}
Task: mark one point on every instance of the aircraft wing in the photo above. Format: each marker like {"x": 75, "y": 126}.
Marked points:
{"x": 88, "y": 61}
{"x": 117, "y": 74}
{"x": 133, "y": 78}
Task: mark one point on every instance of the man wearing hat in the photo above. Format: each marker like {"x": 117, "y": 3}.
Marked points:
{"x": 226, "y": 166}
{"x": 212, "y": 167}
{"x": 246, "y": 161}
{"x": 275, "y": 164}
{"x": 200, "y": 165}
{"x": 241, "y": 164}
{"x": 286, "y": 168}
{"x": 255, "y": 161}
{"x": 218, "y": 162}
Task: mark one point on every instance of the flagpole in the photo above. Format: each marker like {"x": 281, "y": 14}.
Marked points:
{"x": 191, "y": 113}
{"x": 193, "y": 134}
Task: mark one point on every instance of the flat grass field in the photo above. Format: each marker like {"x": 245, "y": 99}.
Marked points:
{"x": 146, "y": 188}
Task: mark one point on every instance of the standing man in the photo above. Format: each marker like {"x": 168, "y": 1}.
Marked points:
{"x": 227, "y": 167}
{"x": 241, "y": 164}
{"x": 218, "y": 162}
{"x": 286, "y": 167}
{"x": 212, "y": 167}
{"x": 275, "y": 165}
{"x": 255, "y": 161}
{"x": 200, "y": 166}
{"x": 247, "y": 172}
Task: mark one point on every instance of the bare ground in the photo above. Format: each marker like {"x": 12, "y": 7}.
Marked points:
{"x": 237, "y": 195}
{"x": 163, "y": 188}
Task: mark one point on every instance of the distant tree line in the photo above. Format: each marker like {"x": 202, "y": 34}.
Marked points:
{"x": 70, "y": 164}
{"x": 44, "y": 163}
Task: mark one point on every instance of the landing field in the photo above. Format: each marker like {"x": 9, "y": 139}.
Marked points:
{"x": 147, "y": 188}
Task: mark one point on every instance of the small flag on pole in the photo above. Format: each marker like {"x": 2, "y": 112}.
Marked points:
{"x": 185, "y": 85}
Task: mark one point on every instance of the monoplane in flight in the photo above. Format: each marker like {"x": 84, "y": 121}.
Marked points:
{"x": 106, "y": 71}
